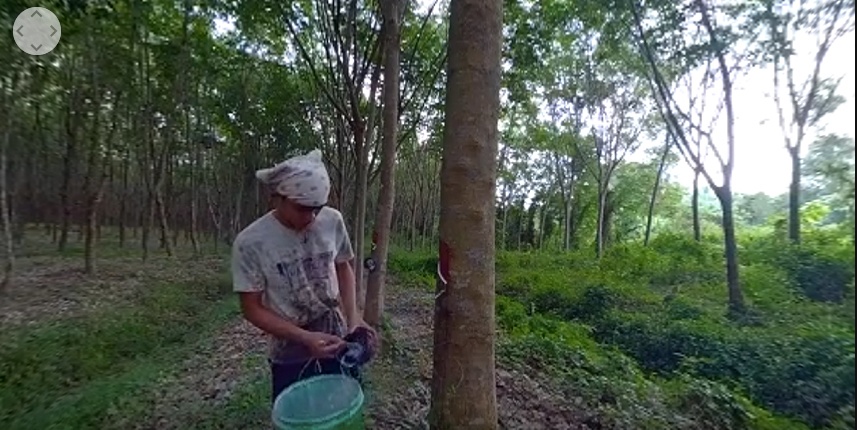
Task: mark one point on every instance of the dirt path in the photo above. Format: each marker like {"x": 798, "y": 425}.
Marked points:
{"x": 399, "y": 396}
{"x": 48, "y": 288}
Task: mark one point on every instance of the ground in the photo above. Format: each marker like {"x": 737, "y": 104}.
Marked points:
{"x": 206, "y": 371}
{"x": 402, "y": 376}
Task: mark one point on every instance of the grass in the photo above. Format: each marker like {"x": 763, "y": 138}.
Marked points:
{"x": 78, "y": 373}
{"x": 103, "y": 368}
{"x": 249, "y": 407}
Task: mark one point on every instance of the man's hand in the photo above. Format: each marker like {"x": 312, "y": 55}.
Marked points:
{"x": 322, "y": 345}
{"x": 373, "y": 335}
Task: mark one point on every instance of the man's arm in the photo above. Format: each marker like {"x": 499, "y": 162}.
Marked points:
{"x": 345, "y": 274}
{"x": 348, "y": 293}
{"x": 249, "y": 283}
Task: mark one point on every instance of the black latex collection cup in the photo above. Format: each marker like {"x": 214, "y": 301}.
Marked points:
{"x": 357, "y": 351}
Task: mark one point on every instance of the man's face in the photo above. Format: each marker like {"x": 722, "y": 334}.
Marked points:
{"x": 299, "y": 216}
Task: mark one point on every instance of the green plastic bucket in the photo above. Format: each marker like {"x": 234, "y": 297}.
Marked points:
{"x": 324, "y": 402}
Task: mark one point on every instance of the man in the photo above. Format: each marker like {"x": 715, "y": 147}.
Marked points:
{"x": 292, "y": 271}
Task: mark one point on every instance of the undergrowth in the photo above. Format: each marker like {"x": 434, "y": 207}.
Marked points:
{"x": 643, "y": 336}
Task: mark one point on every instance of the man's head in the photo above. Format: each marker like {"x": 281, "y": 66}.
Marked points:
{"x": 299, "y": 188}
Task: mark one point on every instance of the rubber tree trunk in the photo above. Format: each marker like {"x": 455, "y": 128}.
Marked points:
{"x": 694, "y": 207}
{"x": 651, "y": 212}
{"x": 463, "y": 390}
{"x": 362, "y": 189}
{"x": 384, "y": 212}
{"x": 794, "y": 196}
{"x": 736, "y": 297}
{"x": 9, "y": 260}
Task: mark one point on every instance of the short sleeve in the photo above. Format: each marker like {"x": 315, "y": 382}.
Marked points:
{"x": 344, "y": 252}
{"x": 247, "y": 275}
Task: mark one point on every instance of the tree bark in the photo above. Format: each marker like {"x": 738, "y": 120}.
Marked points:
{"x": 387, "y": 194}
{"x": 794, "y": 195}
{"x": 736, "y": 297}
{"x": 724, "y": 193}
{"x": 97, "y": 195}
{"x": 463, "y": 388}
{"x": 655, "y": 189}
{"x": 362, "y": 189}
{"x": 694, "y": 207}
{"x": 69, "y": 161}
{"x": 599, "y": 224}
{"x": 9, "y": 260}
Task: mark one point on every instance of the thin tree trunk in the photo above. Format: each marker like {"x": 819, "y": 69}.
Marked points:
{"x": 724, "y": 193}
{"x": 607, "y": 227}
{"x": 69, "y": 160}
{"x": 736, "y": 297}
{"x": 98, "y": 195}
{"x": 599, "y": 224}
{"x": 542, "y": 217}
{"x": 694, "y": 207}
{"x": 9, "y": 260}
{"x": 362, "y": 189}
{"x": 123, "y": 196}
{"x": 794, "y": 195}
{"x": 391, "y": 10}
{"x": 193, "y": 229}
{"x": 650, "y": 214}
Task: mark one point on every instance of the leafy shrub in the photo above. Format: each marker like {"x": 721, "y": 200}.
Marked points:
{"x": 670, "y": 260}
{"x": 611, "y": 385}
{"x": 678, "y": 308}
{"x": 798, "y": 361}
{"x": 414, "y": 269}
{"x": 809, "y": 375}
{"x": 820, "y": 276}
{"x": 822, "y": 267}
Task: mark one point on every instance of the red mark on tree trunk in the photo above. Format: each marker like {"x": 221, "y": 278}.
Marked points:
{"x": 443, "y": 262}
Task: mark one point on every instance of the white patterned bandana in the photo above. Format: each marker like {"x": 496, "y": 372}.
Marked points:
{"x": 303, "y": 179}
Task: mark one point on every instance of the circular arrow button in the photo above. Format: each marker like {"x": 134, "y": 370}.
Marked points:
{"x": 37, "y": 31}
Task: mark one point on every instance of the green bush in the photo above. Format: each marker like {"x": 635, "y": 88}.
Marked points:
{"x": 663, "y": 306}
{"x": 820, "y": 276}
{"x": 821, "y": 268}
{"x": 413, "y": 269}
{"x": 807, "y": 375}
{"x": 611, "y": 386}
{"x": 668, "y": 261}
{"x": 686, "y": 331}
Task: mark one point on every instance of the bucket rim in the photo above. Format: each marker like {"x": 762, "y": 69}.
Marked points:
{"x": 353, "y": 407}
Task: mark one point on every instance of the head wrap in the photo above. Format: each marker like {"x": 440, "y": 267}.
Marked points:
{"x": 303, "y": 179}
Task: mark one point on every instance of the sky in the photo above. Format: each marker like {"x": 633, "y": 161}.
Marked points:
{"x": 761, "y": 161}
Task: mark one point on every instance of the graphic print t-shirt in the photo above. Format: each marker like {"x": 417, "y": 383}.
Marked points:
{"x": 296, "y": 273}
